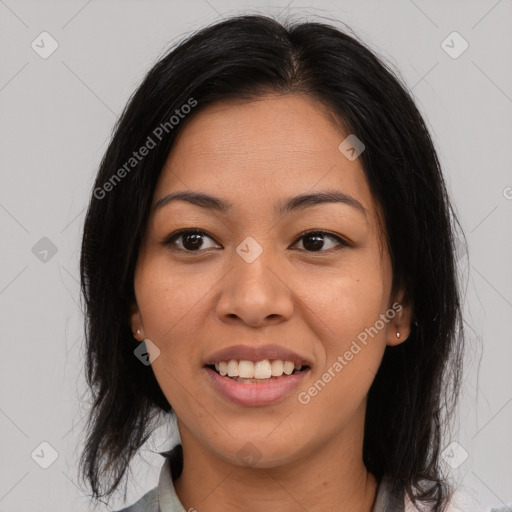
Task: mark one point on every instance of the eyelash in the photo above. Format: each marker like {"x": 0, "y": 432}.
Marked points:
{"x": 170, "y": 240}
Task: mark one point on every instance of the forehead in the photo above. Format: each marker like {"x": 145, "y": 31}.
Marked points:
{"x": 256, "y": 152}
{"x": 281, "y": 126}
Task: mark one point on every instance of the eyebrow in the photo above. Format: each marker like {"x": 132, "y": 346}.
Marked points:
{"x": 300, "y": 202}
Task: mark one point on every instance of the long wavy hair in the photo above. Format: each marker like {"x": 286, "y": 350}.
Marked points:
{"x": 416, "y": 389}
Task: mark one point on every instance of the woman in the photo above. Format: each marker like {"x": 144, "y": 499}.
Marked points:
{"x": 270, "y": 223}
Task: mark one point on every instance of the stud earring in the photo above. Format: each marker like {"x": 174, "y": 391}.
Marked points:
{"x": 398, "y": 334}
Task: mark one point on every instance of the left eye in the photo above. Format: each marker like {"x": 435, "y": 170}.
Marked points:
{"x": 313, "y": 241}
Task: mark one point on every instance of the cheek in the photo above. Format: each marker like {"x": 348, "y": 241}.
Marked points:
{"x": 348, "y": 300}
{"x": 353, "y": 345}
{"x": 171, "y": 303}
{"x": 348, "y": 305}
{"x": 168, "y": 297}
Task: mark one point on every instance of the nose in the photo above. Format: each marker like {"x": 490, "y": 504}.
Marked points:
{"x": 255, "y": 293}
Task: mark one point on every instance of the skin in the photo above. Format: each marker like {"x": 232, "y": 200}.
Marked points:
{"x": 255, "y": 154}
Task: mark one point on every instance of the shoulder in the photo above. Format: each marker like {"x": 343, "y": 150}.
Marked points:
{"x": 163, "y": 497}
{"x": 148, "y": 503}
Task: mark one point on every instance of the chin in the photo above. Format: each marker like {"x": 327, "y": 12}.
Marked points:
{"x": 259, "y": 452}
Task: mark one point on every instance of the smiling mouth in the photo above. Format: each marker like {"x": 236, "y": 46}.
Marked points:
{"x": 250, "y": 372}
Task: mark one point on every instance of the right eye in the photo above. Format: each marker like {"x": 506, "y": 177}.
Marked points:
{"x": 191, "y": 240}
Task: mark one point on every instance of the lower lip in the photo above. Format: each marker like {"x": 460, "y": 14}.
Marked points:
{"x": 255, "y": 394}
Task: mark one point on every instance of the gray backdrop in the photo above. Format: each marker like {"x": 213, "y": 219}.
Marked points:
{"x": 67, "y": 69}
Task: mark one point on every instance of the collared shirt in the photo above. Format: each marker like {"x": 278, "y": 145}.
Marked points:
{"x": 163, "y": 498}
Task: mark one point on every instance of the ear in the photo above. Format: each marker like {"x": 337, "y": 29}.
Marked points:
{"x": 136, "y": 323}
{"x": 400, "y": 324}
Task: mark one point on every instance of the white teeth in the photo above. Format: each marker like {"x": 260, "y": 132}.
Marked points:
{"x": 246, "y": 369}
{"x": 222, "y": 368}
{"x": 277, "y": 368}
{"x": 233, "y": 368}
{"x": 261, "y": 370}
{"x": 288, "y": 367}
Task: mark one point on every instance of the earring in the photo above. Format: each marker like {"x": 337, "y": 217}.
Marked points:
{"x": 398, "y": 334}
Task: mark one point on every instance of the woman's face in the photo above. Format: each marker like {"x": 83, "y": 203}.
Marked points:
{"x": 253, "y": 287}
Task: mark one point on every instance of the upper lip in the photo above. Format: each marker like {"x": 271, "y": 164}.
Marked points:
{"x": 259, "y": 353}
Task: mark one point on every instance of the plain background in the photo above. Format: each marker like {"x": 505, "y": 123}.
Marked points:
{"x": 56, "y": 118}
